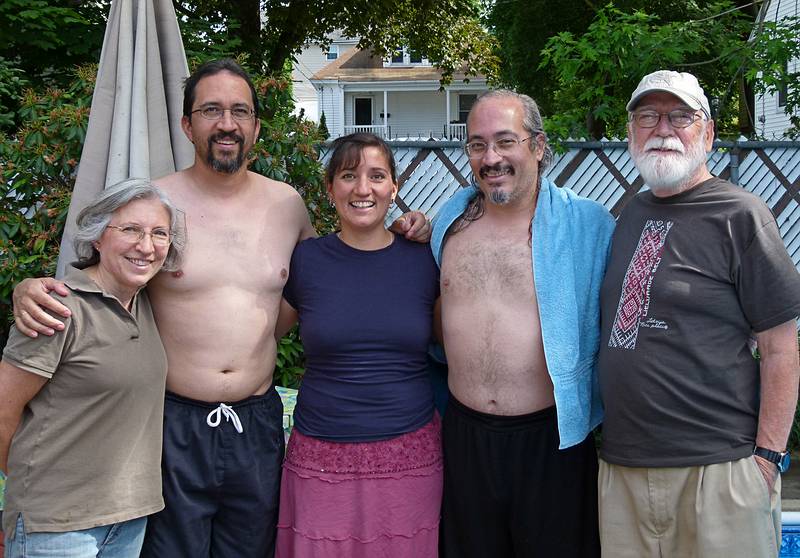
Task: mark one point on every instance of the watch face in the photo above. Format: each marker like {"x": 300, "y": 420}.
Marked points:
{"x": 783, "y": 466}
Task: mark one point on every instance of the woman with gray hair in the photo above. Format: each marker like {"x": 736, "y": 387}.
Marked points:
{"x": 81, "y": 411}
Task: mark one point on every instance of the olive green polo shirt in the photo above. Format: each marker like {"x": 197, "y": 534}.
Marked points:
{"x": 87, "y": 451}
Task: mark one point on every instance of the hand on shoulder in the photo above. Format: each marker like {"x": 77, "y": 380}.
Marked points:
{"x": 31, "y": 298}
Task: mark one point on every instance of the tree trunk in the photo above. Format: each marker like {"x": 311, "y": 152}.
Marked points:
{"x": 747, "y": 97}
{"x": 248, "y": 13}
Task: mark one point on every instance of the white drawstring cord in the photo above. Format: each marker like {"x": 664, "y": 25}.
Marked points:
{"x": 215, "y": 417}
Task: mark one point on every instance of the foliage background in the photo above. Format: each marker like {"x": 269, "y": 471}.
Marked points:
{"x": 582, "y": 63}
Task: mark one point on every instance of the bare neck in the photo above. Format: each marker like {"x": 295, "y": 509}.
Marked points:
{"x": 109, "y": 286}
{"x": 511, "y": 214}
{"x": 217, "y": 184}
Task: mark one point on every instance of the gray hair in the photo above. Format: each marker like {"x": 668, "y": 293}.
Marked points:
{"x": 531, "y": 120}
{"x": 94, "y": 219}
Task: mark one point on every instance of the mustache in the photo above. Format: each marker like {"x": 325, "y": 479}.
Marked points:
{"x": 225, "y": 135}
{"x": 498, "y": 167}
{"x": 672, "y": 144}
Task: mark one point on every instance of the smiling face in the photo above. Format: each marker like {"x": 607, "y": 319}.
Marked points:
{"x": 671, "y": 160}
{"x": 221, "y": 144}
{"x": 363, "y": 194}
{"x": 512, "y": 178}
{"x": 127, "y": 265}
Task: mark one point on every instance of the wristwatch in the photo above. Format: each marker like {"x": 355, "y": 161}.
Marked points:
{"x": 779, "y": 458}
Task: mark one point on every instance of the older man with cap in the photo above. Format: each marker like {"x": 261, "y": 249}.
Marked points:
{"x": 696, "y": 426}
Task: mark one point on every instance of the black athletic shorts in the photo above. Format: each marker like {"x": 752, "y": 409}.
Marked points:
{"x": 220, "y": 486}
{"x": 510, "y": 492}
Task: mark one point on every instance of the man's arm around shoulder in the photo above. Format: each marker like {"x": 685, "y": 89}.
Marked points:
{"x": 31, "y": 297}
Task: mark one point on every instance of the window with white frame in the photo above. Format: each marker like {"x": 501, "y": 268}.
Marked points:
{"x": 406, "y": 57}
{"x": 332, "y": 53}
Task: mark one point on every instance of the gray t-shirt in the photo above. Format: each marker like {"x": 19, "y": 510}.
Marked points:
{"x": 87, "y": 451}
{"x": 690, "y": 277}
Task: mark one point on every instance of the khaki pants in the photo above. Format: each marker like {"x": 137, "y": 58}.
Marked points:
{"x": 713, "y": 511}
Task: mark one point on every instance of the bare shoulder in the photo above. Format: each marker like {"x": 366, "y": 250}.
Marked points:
{"x": 171, "y": 180}
{"x": 277, "y": 194}
{"x": 273, "y": 189}
{"x": 173, "y": 184}
{"x": 284, "y": 200}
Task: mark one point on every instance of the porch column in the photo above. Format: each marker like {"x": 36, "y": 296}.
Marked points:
{"x": 385, "y": 114}
{"x": 341, "y": 109}
{"x": 447, "y": 113}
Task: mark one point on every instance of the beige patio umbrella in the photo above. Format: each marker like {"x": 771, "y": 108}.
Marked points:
{"x": 134, "y": 125}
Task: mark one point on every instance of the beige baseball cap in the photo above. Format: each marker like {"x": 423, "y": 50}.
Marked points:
{"x": 681, "y": 84}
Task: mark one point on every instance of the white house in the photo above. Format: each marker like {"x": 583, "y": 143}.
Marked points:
{"x": 311, "y": 60}
{"x": 395, "y": 98}
{"x": 772, "y": 120}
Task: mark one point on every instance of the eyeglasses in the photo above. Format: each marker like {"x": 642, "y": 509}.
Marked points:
{"x": 503, "y": 146}
{"x": 677, "y": 118}
{"x": 134, "y": 233}
{"x": 216, "y": 113}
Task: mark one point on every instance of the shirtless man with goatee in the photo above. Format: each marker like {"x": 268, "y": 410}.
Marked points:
{"x": 522, "y": 261}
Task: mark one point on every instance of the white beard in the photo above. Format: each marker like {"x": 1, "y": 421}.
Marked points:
{"x": 667, "y": 174}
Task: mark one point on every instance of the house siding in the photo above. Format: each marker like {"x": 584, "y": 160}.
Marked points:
{"x": 329, "y": 101}
{"x": 311, "y": 60}
{"x": 772, "y": 121}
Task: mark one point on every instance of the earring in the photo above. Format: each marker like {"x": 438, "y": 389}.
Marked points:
{"x": 330, "y": 201}
{"x": 392, "y": 204}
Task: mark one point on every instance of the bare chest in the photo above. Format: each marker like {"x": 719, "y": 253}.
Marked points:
{"x": 478, "y": 264}
{"x": 243, "y": 252}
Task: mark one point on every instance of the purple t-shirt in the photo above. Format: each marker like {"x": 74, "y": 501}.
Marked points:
{"x": 365, "y": 322}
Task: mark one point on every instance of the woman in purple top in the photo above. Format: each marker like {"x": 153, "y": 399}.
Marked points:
{"x": 363, "y": 469}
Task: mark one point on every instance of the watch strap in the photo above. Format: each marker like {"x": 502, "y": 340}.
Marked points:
{"x": 768, "y": 454}
{"x": 779, "y": 458}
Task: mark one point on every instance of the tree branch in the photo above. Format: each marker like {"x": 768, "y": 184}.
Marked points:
{"x": 716, "y": 59}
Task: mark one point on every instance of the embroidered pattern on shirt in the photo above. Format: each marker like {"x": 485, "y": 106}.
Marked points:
{"x": 634, "y": 300}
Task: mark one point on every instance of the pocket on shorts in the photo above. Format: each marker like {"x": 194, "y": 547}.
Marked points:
{"x": 762, "y": 483}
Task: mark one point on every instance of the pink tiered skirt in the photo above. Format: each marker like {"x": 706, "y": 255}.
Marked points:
{"x": 362, "y": 500}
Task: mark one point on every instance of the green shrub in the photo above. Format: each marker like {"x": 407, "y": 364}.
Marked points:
{"x": 323, "y": 127}
{"x": 37, "y": 164}
{"x": 12, "y": 83}
{"x": 289, "y": 362}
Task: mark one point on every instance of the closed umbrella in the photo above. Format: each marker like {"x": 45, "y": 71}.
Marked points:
{"x": 134, "y": 125}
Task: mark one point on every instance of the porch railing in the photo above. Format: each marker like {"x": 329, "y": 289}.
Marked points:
{"x": 449, "y": 132}
{"x": 379, "y": 130}
{"x": 456, "y": 132}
